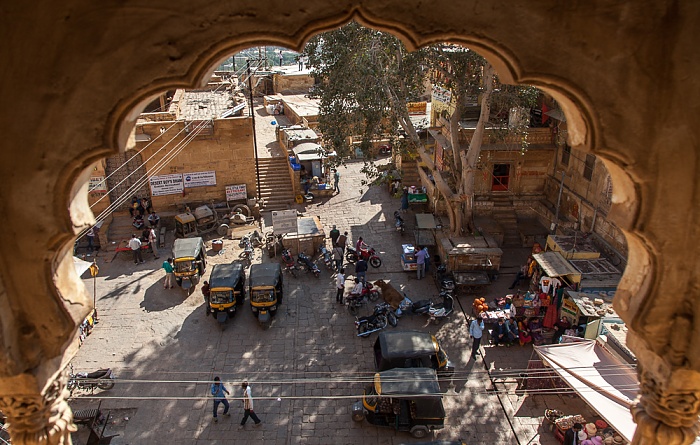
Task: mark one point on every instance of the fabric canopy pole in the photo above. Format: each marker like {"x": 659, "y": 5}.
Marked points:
{"x": 608, "y": 385}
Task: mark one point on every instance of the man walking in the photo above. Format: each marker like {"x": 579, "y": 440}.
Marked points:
{"x": 248, "y": 407}
{"x": 476, "y": 331}
{"x": 361, "y": 269}
{"x": 338, "y": 257}
{"x": 218, "y": 390}
{"x": 340, "y": 286}
{"x": 168, "y": 267}
{"x": 420, "y": 262}
{"x": 335, "y": 234}
{"x": 342, "y": 241}
{"x": 153, "y": 241}
{"x": 135, "y": 246}
{"x": 336, "y": 180}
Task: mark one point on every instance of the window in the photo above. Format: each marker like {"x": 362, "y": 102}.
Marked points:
{"x": 588, "y": 168}
{"x": 565, "y": 155}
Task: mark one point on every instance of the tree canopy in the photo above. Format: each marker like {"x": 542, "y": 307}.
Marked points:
{"x": 366, "y": 78}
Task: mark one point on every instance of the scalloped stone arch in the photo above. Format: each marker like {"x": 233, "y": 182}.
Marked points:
{"x": 596, "y": 79}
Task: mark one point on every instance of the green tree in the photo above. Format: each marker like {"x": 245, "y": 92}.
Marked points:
{"x": 366, "y": 78}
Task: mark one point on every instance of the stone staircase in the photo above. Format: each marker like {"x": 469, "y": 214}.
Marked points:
{"x": 504, "y": 214}
{"x": 409, "y": 172}
{"x": 275, "y": 183}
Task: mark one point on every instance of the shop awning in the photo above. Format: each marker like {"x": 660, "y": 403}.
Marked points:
{"x": 608, "y": 385}
{"x": 309, "y": 151}
{"x": 555, "y": 265}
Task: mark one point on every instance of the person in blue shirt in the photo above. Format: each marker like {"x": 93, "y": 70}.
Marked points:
{"x": 500, "y": 333}
{"x": 361, "y": 269}
{"x": 476, "y": 331}
{"x": 218, "y": 390}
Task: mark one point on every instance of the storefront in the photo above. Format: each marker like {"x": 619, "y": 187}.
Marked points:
{"x": 554, "y": 265}
{"x": 314, "y": 174}
{"x": 586, "y": 313}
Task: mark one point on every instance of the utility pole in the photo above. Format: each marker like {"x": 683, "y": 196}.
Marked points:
{"x": 252, "y": 116}
{"x": 556, "y": 215}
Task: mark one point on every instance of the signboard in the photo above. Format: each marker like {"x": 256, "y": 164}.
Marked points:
{"x": 284, "y": 221}
{"x": 417, "y": 107}
{"x": 97, "y": 184}
{"x": 442, "y": 95}
{"x": 166, "y": 185}
{"x": 199, "y": 179}
{"x": 234, "y": 192}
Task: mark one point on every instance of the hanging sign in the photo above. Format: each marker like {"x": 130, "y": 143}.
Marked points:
{"x": 199, "y": 179}
{"x": 166, "y": 185}
{"x": 442, "y": 95}
{"x": 234, "y": 192}
{"x": 97, "y": 184}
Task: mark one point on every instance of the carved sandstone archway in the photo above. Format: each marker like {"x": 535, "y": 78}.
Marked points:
{"x": 101, "y": 66}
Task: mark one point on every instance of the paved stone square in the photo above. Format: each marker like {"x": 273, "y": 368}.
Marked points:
{"x": 309, "y": 367}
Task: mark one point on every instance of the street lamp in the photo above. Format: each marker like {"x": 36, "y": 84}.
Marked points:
{"x": 93, "y": 271}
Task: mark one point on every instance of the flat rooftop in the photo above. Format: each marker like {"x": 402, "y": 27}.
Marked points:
{"x": 202, "y": 105}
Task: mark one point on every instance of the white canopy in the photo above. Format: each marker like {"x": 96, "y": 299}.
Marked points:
{"x": 608, "y": 385}
{"x": 80, "y": 265}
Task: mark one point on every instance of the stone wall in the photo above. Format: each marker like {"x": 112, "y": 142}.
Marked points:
{"x": 286, "y": 83}
{"x": 228, "y": 151}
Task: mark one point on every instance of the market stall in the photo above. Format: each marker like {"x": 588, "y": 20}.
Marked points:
{"x": 468, "y": 254}
{"x": 417, "y": 195}
{"x": 408, "y": 258}
{"x": 608, "y": 385}
{"x": 425, "y": 229}
{"x": 586, "y": 312}
{"x": 597, "y": 275}
{"x": 308, "y": 238}
{"x": 313, "y": 177}
{"x": 554, "y": 265}
{"x": 578, "y": 247}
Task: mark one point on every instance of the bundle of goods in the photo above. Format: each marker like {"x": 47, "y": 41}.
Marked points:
{"x": 480, "y": 305}
{"x": 518, "y": 300}
{"x": 566, "y": 422}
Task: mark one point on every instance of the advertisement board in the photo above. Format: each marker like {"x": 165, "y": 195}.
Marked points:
{"x": 166, "y": 185}
{"x": 97, "y": 184}
{"x": 199, "y": 179}
{"x": 442, "y": 95}
{"x": 234, "y": 192}
{"x": 284, "y": 221}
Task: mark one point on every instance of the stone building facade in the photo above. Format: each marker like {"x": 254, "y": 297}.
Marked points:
{"x": 621, "y": 73}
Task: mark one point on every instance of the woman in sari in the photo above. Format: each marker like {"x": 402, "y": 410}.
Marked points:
{"x": 535, "y": 328}
{"x": 524, "y": 332}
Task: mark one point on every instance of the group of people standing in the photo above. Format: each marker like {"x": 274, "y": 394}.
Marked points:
{"x": 219, "y": 392}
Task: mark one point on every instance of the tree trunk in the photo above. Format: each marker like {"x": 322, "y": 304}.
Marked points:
{"x": 471, "y": 156}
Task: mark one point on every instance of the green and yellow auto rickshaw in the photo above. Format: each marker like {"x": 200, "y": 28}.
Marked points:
{"x": 226, "y": 291}
{"x": 407, "y": 399}
{"x": 190, "y": 262}
{"x": 411, "y": 349}
{"x": 265, "y": 291}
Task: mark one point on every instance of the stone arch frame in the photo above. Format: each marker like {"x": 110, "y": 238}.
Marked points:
{"x": 633, "y": 180}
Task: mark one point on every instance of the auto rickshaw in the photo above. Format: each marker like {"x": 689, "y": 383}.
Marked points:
{"x": 190, "y": 262}
{"x": 410, "y": 349}
{"x": 265, "y": 291}
{"x": 406, "y": 399}
{"x": 226, "y": 291}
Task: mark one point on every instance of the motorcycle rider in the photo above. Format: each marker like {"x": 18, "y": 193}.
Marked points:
{"x": 357, "y": 289}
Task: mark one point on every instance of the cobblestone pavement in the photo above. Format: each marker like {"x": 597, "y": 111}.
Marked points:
{"x": 307, "y": 369}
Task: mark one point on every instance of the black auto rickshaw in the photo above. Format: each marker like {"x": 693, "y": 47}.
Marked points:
{"x": 226, "y": 290}
{"x": 410, "y": 349}
{"x": 406, "y": 399}
{"x": 265, "y": 291}
{"x": 190, "y": 262}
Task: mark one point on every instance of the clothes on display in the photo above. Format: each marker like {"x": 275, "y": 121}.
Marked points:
{"x": 545, "y": 284}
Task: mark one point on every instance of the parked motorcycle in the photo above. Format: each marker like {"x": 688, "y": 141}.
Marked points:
{"x": 440, "y": 311}
{"x": 327, "y": 257}
{"x": 248, "y": 251}
{"x": 370, "y": 255}
{"x": 356, "y": 301}
{"x": 308, "y": 265}
{"x": 375, "y": 322}
{"x": 409, "y": 307}
{"x": 444, "y": 280}
{"x": 398, "y": 222}
{"x": 273, "y": 244}
{"x": 253, "y": 238}
{"x": 288, "y": 262}
{"x": 102, "y": 379}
